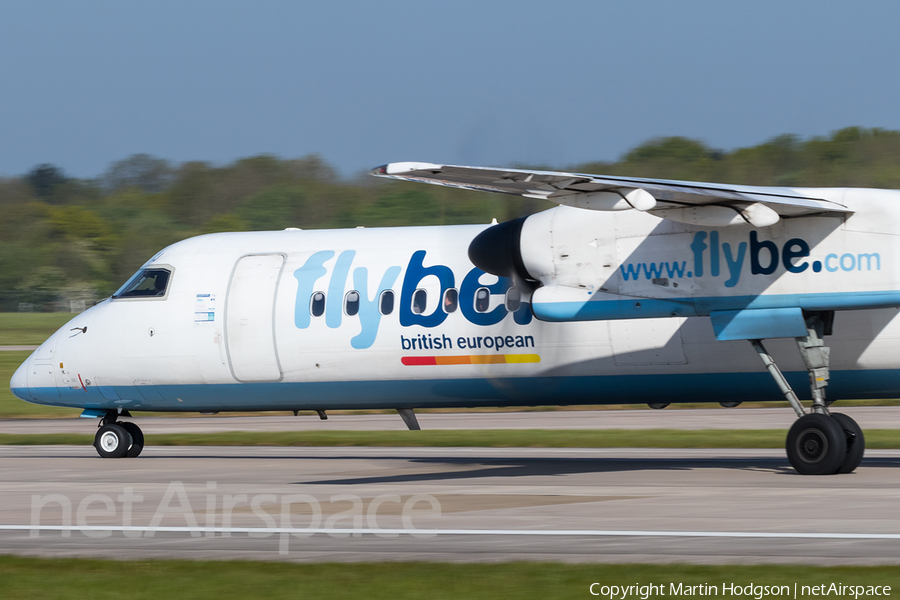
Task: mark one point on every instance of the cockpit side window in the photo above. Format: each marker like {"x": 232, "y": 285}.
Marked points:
{"x": 146, "y": 283}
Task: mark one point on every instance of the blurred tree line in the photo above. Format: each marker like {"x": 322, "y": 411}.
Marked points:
{"x": 85, "y": 237}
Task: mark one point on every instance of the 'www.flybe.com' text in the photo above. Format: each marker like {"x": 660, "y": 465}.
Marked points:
{"x": 764, "y": 257}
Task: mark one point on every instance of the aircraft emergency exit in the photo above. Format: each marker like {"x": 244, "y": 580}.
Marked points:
{"x": 628, "y": 291}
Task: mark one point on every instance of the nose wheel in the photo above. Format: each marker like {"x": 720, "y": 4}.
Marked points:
{"x": 137, "y": 438}
{"x": 118, "y": 439}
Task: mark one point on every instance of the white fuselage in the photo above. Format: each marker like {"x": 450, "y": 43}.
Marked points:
{"x": 621, "y": 317}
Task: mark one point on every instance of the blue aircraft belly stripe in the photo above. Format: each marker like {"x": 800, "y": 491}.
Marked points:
{"x": 596, "y": 310}
{"x": 437, "y": 393}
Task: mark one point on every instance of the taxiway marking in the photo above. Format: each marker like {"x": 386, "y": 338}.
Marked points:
{"x": 436, "y": 532}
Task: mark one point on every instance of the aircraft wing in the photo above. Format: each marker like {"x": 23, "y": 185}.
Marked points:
{"x": 686, "y": 201}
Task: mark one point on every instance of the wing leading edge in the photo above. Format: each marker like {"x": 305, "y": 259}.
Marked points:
{"x": 685, "y": 201}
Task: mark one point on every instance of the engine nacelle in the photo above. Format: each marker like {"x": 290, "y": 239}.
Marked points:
{"x": 569, "y": 260}
{"x": 562, "y": 246}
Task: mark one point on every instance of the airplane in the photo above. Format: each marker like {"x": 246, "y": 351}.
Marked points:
{"x": 629, "y": 290}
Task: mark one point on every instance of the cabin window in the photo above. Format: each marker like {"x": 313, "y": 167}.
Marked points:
{"x": 451, "y": 300}
{"x": 482, "y": 299}
{"x": 317, "y": 304}
{"x": 146, "y": 283}
{"x": 420, "y": 298}
{"x": 351, "y": 303}
{"x": 513, "y": 299}
{"x": 386, "y": 304}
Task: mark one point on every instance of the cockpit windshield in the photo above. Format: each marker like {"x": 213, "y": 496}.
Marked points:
{"x": 146, "y": 283}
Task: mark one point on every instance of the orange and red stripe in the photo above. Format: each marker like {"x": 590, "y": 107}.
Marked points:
{"x": 470, "y": 359}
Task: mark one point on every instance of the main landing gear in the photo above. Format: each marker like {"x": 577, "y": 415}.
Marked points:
{"x": 118, "y": 439}
{"x": 819, "y": 442}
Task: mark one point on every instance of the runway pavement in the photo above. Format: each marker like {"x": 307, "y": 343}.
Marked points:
{"x": 710, "y": 418}
{"x": 457, "y": 504}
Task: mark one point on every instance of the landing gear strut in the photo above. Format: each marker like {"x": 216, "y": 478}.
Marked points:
{"x": 819, "y": 442}
{"x": 118, "y": 439}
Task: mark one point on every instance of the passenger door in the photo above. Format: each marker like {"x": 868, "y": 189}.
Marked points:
{"x": 250, "y": 318}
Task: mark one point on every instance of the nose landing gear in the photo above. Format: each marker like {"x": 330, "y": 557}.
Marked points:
{"x": 819, "y": 442}
{"x": 118, "y": 439}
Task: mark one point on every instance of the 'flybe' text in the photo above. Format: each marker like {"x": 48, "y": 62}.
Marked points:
{"x": 369, "y": 315}
{"x": 764, "y": 256}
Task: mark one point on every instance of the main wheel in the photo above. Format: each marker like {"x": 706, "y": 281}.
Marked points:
{"x": 137, "y": 438}
{"x": 856, "y": 442}
{"x": 816, "y": 445}
{"x": 112, "y": 441}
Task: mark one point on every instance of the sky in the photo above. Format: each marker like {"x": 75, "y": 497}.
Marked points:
{"x": 362, "y": 83}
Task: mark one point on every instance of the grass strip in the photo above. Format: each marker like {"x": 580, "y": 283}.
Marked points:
{"x": 477, "y": 438}
{"x": 153, "y": 579}
{"x": 30, "y": 329}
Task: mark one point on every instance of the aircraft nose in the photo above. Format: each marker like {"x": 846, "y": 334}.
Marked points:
{"x": 19, "y": 382}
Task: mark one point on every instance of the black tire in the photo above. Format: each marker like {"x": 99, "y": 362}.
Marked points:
{"x": 856, "y": 442}
{"x": 112, "y": 441}
{"x": 816, "y": 445}
{"x": 137, "y": 439}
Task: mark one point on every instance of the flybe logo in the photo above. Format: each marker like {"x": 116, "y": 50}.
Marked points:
{"x": 764, "y": 258}
{"x": 369, "y": 311}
